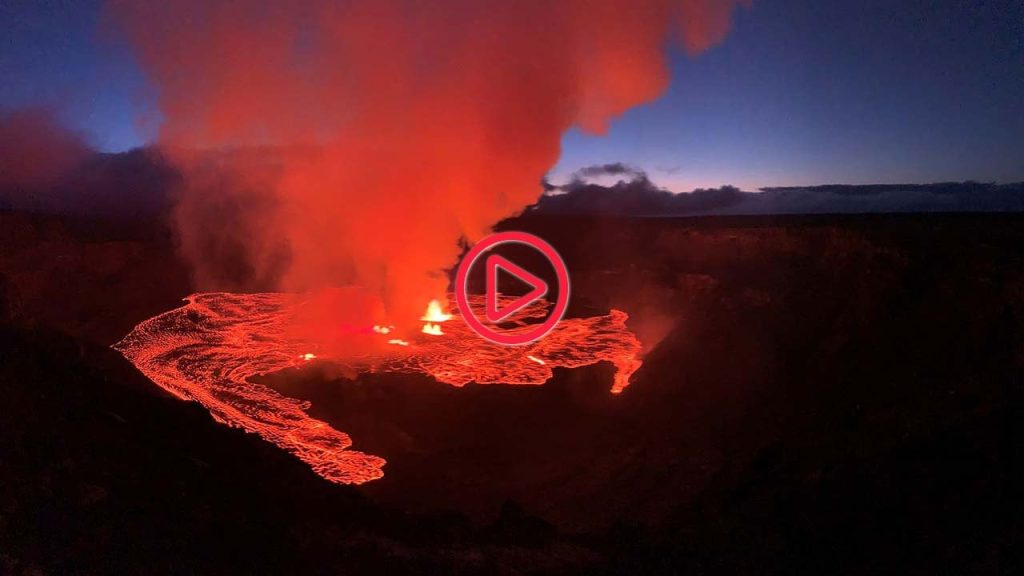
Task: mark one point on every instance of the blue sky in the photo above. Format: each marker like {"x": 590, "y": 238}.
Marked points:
{"x": 801, "y": 92}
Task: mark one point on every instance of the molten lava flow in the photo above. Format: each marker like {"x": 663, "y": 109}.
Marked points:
{"x": 208, "y": 350}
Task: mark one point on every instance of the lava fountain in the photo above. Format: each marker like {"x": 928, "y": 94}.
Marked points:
{"x": 209, "y": 349}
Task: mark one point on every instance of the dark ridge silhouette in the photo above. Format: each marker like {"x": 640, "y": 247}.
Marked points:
{"x": 821, "y": 394}
{"x": 61, "y": 178}
{"x": 969, "y": 186}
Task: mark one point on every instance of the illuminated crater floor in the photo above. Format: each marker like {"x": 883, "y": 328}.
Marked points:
{"x": 208, "y": 350}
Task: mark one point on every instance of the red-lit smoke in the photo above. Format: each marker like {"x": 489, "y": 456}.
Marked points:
{"x": 357, "y": 142}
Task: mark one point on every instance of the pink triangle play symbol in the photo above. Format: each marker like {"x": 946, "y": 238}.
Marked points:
{"x": 495, "y": 263}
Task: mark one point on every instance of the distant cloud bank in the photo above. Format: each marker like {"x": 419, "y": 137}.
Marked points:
{"x": 636, "y": 195}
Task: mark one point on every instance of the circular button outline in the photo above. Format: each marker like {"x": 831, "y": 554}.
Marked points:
{"x": 462, "y": 287}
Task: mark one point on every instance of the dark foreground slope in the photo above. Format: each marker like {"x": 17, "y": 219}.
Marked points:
{"x": 825, "y": 395}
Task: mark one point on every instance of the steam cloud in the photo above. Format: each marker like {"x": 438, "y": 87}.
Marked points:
{"x": 358, "y": 142}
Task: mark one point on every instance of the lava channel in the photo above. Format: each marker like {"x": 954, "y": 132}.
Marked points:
{"x": 209, "y": 349}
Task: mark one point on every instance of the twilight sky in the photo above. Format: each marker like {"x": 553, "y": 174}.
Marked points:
{"x": 801, "y": 92}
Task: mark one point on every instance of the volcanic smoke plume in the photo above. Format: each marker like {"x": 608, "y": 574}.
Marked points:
{"x": 355, "y": 143}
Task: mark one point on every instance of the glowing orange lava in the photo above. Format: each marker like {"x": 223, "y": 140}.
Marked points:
{"x": 208, "y": 350}
{"x": 432, "y": 329}
{"x": 435, "y": 313}
{"x": 433, "y": 317}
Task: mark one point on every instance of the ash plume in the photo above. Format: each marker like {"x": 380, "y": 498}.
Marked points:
{"x": 356, "y": 143}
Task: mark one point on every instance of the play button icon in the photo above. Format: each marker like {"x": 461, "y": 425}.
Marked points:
{"x": 498, "y": 309}
{"x": 495, "y": 264}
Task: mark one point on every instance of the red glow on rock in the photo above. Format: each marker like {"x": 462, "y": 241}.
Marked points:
{"x": 208, "y": 350}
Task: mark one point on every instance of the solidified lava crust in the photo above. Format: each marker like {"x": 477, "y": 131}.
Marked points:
{"x": 208, "y": 350}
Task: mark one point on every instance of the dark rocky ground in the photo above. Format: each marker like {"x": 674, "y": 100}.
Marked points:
{"x": 826, "y": 395}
